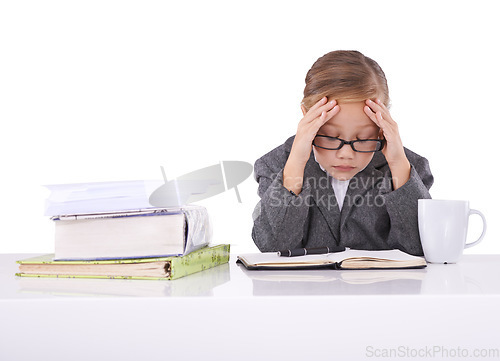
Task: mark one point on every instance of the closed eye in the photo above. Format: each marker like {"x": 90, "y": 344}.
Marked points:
{"x": 367, "y": 138}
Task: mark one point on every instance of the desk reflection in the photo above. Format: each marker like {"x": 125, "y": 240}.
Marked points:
{"x": 473, "y": 275}
{"x": 197, "y": 284}
{"x": 330, "y": 282}
{"x": 450, "y": 279}
{"x": 434, "y": 279}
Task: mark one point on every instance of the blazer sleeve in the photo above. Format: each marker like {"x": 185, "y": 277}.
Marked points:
{"x": 402, "y": 207}
{"x": 279, "y": 217}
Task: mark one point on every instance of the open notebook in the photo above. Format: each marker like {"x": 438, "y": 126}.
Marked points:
{"x": 348, "y": 259}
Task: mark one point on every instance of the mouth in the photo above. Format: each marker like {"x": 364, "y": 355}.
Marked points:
{"x": 343, "y": 168}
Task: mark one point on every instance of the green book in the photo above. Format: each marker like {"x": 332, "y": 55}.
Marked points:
{"x": 160, "y": 268}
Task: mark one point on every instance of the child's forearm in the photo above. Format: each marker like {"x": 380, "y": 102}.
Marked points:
{"x": 293, "y": 175}
{"x": 400, "y": 172}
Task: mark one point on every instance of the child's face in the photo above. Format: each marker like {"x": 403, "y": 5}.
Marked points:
{"x": 351, "y": 123}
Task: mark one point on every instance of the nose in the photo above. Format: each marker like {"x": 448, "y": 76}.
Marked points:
{"x": 345, "y": 152}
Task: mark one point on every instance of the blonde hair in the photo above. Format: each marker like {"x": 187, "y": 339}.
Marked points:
{"x": 346, "y": 76}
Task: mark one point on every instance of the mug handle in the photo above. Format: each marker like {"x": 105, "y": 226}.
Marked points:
{"x": 473, "y": 211}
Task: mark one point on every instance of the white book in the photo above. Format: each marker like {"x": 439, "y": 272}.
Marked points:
{"x": 152, "y": 232}
{"x": 87, "y": 198}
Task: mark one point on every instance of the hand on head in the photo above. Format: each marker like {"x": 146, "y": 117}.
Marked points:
{"x": 393, "y": 151}
{"x": 309, "y": 125}
{"x": 379, "y": 114}
{"x": 314, "y": 118}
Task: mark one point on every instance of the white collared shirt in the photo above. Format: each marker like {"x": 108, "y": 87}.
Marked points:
{"x": 339, "y": 186}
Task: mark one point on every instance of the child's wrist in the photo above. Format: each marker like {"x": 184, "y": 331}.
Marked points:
{"x": 400, "y": 172}
{"x": 297, "y": 161}
{"x": 293, "y": 176}
{"x": 292, "y": 183}
{"x": 399, "y": 161}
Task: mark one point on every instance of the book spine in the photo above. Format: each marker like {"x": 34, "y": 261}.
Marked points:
{"x": 199, "y": 228}
{"x": 199, "y": 261}
{"x": 117, "y": 214}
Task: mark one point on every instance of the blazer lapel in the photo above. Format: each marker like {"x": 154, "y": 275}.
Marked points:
{"x": 359, "y": 186}
{"x": 323, "y": 195}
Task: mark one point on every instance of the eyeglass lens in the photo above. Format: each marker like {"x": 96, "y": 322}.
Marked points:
{"x": 335, "y": 144}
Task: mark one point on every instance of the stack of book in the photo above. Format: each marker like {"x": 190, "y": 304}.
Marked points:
{"x": 157, "y": 268}
{"x": 147, "y": 243}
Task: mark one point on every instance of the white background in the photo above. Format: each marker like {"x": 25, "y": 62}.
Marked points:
{"x": 110, "y": 90}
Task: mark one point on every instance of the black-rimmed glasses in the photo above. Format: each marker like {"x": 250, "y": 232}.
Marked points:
{"x": 362, "y": 145}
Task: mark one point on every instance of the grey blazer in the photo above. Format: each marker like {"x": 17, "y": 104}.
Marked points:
{"x": 373, "y": 216}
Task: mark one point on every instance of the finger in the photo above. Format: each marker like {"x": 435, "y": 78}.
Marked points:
{"x": 333, "y": 112}
{"x": 382, "y": 134}
{"x": 380, "y": 119}
{"x": 324, "y": 117}
{"x": 373, "y": 106}
{"x": 389, "y": 128}
{"x": 379, "y": 106}
{"x": 319, "y": 103}
{"x": 371, "y": 115}
{"x": 318, "y": 122}
{"x": 312, "y": 113}
{"x": 315, "y": 113}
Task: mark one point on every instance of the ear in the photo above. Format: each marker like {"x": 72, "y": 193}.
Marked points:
{"x": 303, "y": 108}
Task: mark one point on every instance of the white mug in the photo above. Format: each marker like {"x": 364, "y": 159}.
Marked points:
{"x": 443, "y": 228}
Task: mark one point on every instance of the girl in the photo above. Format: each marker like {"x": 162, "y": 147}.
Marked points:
{"x": 345, "y": 178}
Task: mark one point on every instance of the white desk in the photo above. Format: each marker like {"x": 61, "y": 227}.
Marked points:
{"x": 230, "y": 313}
